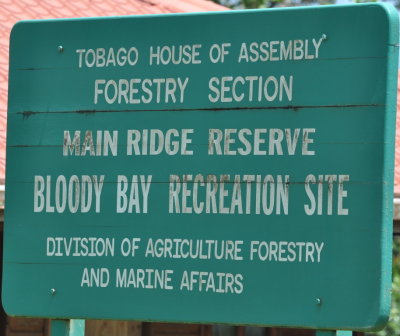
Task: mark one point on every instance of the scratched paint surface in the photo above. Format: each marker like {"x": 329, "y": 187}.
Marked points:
{"x": 247, "y": 180}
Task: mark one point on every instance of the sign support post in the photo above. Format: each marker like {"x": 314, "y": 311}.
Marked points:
{"x": 334, "y": 333}
{"x": 67, "y": 327}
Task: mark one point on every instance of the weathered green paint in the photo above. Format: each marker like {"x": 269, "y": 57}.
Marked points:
{"x": 67, "y": 327}
{"x": 346, "y": 94}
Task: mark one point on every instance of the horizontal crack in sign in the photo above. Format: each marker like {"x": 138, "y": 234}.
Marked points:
{"x": 27, "y": 114}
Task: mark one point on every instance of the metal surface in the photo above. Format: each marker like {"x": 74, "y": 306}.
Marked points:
{"x": 67, "y": 327}
{"x": 269, "y": 148}
{"x": 334, "y": 333}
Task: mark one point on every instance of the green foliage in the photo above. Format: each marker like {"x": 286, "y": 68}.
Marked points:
{"x": 248, "y": 4}
{"x": 251, "y": 4}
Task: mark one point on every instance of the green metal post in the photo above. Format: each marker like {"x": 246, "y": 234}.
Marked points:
{"x": 344, "y": 333}
{"x": 333, "y": 333}
{"x": 67, "y": 328}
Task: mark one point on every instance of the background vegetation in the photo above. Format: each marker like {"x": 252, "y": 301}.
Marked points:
{"x": 248, "y": 4}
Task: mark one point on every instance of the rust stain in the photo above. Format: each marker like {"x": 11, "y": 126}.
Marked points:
{"x": 29, "y": 69}
{"x": 23, "y": 146}
{"x": 87, "y": 112}
{"x": 36, "y": 69}
{"x": 33, "y": 146}
{"x": 27, "y": 114}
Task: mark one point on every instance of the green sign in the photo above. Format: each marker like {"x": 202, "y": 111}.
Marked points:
{"x": 216, "y": 168}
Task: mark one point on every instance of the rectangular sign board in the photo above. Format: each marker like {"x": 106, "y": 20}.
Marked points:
{"x": 214, "y": 168}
